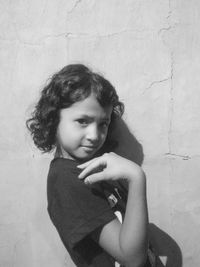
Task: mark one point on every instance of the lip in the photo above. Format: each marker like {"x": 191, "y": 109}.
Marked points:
{"x": 90, "y": 148}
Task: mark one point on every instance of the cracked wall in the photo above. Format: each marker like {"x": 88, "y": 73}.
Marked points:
{"x": 150, "y": 51}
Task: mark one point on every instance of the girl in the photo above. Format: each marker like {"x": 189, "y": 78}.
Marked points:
{"x": 87, "y": 182}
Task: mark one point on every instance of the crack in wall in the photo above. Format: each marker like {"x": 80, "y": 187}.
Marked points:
{"x": 171, "y": 108}
{"x": 74, "y": 7}
{"x": 156, "y": 82}
{"x": 161, "y": 33}
{"x": 170, "y": 10}
{"x": 99, "y": 36}
{"x": 82, "y": 34}
{"x": 184, "y": 157}
{"x": 69, "y": 35}
{"x": 37, "y": 43}
{"x": 171, "y": 105}
{"x": 169, "y": 136}
{"x": 164, "y": 29}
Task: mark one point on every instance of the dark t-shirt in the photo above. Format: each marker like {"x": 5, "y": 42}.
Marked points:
{"x": 77, "y": 210}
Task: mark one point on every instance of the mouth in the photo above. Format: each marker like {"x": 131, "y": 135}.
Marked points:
{"x": 90, "y": 148}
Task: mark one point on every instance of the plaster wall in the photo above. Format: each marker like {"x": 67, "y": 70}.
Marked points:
{"x": 150, "y": 51}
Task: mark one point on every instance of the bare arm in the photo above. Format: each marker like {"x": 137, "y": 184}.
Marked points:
{"x": 126, "y": 242}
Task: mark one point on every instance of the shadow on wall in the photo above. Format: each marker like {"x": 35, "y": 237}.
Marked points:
{"x": 165, "y": 247}
{"x": 167, "y": 250}
{"x": 127, "y": 144}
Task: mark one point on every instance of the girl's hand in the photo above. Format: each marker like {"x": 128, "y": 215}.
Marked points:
{"x": 109, "y": 166}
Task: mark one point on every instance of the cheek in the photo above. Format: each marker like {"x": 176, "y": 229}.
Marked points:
{"x": 68, "y": 135}
{"x": 62, "y": 134}
{"x": 104, "y": 135}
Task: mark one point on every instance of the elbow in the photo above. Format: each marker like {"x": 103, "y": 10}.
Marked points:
{"x": 135, "y": 260}
{"x": 134, "y": 256}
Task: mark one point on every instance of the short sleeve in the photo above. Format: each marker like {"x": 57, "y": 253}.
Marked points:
{"x": 75, "y": 208}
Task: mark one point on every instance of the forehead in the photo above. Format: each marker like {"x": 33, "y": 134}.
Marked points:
{"x": 89, "y": 107}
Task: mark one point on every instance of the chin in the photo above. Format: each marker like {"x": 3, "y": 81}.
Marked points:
{"x": 82, "y": 157}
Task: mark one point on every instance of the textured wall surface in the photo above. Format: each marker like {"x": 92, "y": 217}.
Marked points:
{"x": 150, "y": 50}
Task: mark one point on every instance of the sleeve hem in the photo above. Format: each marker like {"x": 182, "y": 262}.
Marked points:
{"x": 89, "y": 226}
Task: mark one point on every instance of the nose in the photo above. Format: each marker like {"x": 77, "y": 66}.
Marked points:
{"x": 93, "y": 134}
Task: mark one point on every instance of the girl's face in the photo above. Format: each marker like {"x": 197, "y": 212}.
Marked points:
{"x": 83, "y": 128}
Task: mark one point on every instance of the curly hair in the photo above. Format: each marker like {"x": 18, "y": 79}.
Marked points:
{"x": 73, "y": 83}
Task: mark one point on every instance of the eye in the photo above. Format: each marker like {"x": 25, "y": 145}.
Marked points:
{"x": 82, "y": 122}
{"x": 104, "y": 124}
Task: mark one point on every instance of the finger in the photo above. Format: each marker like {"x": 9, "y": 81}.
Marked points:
{"x": 96, "y": 166}
{"x": 87, "y": 163}
{"x": 94, "y": 178}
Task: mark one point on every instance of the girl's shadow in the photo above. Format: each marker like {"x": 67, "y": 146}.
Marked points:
{"x": 167, "y": 250}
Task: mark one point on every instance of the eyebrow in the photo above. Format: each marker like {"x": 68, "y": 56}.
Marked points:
{"x": 91, "y": 117}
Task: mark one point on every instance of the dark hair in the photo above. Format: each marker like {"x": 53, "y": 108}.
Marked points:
{"x": 73, "y": 83}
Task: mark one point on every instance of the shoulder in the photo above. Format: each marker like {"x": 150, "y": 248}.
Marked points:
{"x": 62, "y": 177}
{"x": 64, "y": 173}
{"x": 60, "y": 167}
{"x": 63, "y": 164}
